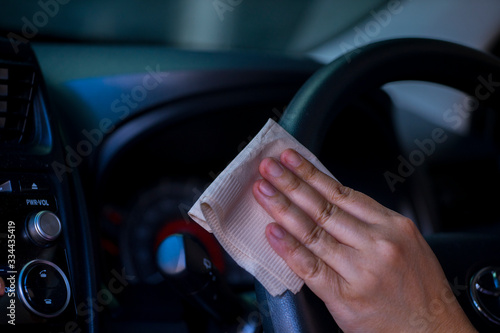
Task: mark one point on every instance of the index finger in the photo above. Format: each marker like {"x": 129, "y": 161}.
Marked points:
{"x": 355, "y": 203}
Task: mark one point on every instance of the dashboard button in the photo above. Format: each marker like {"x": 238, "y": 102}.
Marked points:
{"x": 33, "y": 185}
{"x": 42, "y": 276}
{"x": 44, "y": 288}
{"x": 5, "y": 186}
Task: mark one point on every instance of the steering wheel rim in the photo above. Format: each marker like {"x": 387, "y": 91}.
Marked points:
{"x": 320, "y": 100}
{"x": 330, "y": 89}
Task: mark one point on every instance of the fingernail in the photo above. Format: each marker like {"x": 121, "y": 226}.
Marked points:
{"x": 277, "y": 231}
{"x": 266, "y": 188}
{"x": 293, "y": 158}
{"x": 274, "y": 168}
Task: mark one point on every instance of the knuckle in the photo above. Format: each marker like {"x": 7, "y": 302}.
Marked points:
{"x": 305, "y": 265}
{"x": 283, "y": 206}
{"x": 313, "y": 269}
{"x": 313, "y": 236}
{"x": 294, "y": 251}
{"x": 341, "y": 193}
{"x": 393, "y": 253}
{"x": 292, "y": 185}
{"x": 407, "y": 226}
{"x": 326, "y": 212}
{"x": 308, "y": 172}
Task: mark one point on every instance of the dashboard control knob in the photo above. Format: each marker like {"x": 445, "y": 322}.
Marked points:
{"x": 44, "y": 288}
{"x": 44, "y": 227}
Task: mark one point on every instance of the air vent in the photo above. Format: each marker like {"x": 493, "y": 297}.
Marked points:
{"x": 17, "y": 91}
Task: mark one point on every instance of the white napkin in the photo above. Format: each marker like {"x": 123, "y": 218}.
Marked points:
{"x": 228, "y": 209}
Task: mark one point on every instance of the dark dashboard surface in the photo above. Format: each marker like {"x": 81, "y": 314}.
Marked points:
{"x": 105, "y": 147}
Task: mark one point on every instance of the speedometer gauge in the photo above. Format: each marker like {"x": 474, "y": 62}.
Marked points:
{"x": 157, "y": 213}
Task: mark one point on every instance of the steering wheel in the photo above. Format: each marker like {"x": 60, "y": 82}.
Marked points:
{"x": 321, "y": 99}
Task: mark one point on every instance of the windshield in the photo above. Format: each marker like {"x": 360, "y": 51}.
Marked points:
{"x": 279, "y": 25}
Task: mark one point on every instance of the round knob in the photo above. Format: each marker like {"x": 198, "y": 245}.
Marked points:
{"x": 44, "y": 227}
{"x": 44, "y": 288}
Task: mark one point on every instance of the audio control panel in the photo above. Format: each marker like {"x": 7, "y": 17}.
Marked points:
{"x": 35, "y": 286}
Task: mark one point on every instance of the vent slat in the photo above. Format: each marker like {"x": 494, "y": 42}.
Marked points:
{"x": 17, "y": 86}
{"x": 4, "y": 73}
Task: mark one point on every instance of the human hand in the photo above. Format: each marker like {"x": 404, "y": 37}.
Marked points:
{"x": 369, "y": 264}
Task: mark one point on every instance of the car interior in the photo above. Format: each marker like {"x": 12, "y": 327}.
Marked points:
{"x": 116, "y": 116}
